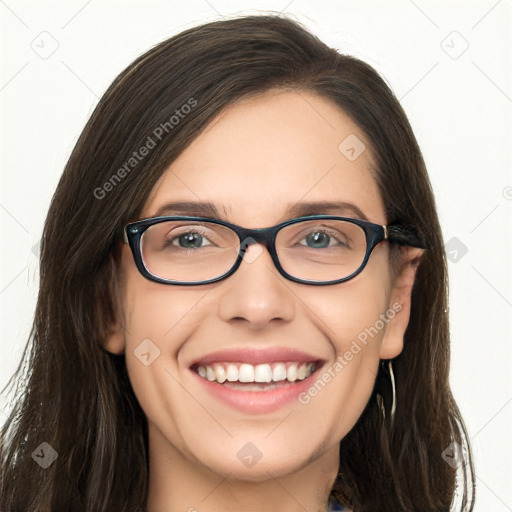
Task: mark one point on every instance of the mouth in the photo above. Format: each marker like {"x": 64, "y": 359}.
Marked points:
{"x": 256, "y": 381}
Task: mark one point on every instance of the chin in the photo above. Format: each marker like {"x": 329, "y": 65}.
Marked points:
{"x": 260, "y": 468}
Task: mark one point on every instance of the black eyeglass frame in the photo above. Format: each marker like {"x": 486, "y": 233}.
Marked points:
{"x": 375, "y": 234}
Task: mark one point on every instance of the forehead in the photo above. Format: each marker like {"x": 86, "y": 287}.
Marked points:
{"x": 264, "y": 156}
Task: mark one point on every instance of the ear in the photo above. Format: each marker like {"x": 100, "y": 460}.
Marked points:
{"x": 114, "y": 340}
{"x": 400, "y": 303}
{"x": 111, "y": 310}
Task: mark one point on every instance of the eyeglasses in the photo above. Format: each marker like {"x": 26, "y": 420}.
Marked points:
{"x": 316, "y": 250}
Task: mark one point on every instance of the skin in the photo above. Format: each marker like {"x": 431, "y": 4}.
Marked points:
{"x": 254, "y": 160}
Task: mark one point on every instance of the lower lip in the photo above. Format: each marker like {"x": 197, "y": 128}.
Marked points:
{"x": 257, "y": 402}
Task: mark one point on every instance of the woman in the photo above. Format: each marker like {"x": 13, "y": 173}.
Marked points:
{"x": 185, "y": 358}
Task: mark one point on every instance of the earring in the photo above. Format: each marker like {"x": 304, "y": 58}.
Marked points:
{"x": 380, "y": 400}
{"x": 392, "y": 377}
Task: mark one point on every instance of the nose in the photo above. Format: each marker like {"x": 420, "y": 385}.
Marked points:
{"x": 256, "y": 294}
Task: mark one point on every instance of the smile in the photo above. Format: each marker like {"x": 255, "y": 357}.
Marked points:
{"x": 255, "y": 380}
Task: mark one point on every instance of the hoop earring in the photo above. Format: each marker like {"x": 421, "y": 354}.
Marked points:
{"x": 392, "y": 377}
{"x": 380, "y": 400}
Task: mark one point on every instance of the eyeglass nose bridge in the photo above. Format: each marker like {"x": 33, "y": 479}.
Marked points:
{"x": 262, "y": 236}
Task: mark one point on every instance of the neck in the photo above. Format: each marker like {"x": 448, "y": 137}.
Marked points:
{"x": 178, "y": 482}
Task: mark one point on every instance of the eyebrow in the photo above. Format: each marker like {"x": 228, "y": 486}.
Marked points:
{"x": 209, "y": 210}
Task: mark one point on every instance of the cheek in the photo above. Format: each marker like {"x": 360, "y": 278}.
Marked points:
{"x": 159, "y": 313}
{"x": 163, "y": 314}
{"x": 352, "y": 316}
{"x": 354, "y": 310}
{"x": 158, "y": 320}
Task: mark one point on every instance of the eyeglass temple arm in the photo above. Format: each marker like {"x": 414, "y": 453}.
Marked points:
{"x": 403, "y": 236}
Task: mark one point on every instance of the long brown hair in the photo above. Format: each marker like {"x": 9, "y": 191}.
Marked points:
{"x": 77, "y": 397}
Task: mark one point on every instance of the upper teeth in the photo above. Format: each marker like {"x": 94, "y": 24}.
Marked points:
{"x": 244, "y": 372}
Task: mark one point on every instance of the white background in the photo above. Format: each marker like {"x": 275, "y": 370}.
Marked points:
{"x": 459, "y": 102}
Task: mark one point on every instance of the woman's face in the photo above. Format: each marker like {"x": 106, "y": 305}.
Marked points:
{"x": 256, "y": 160}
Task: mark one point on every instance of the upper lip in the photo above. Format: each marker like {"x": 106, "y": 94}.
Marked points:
{"x": 256, "y": 356}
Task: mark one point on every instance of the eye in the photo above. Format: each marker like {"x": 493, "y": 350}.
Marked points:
{"x": 188, "y": 240}
{"x": 320, "y": 239}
